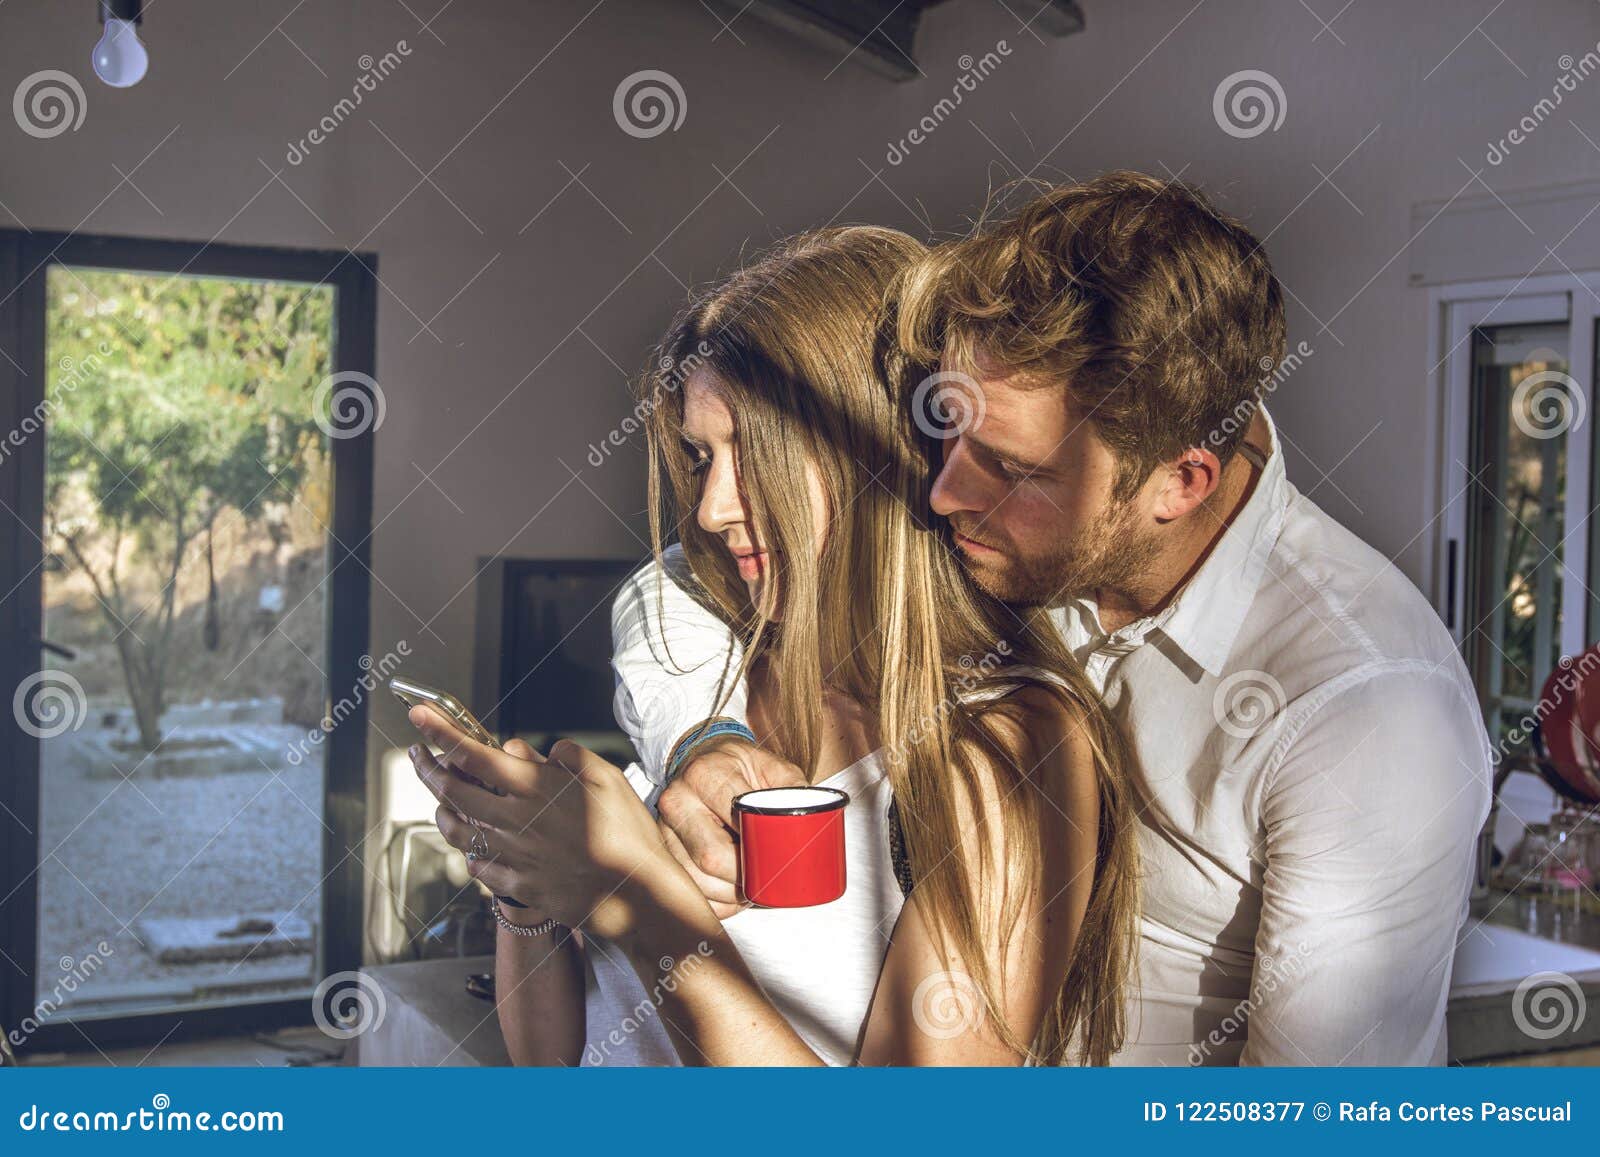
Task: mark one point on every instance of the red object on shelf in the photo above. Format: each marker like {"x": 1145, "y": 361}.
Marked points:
{"x": 1567, "y": 740}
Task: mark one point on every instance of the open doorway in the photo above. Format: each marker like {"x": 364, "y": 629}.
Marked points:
{"x": 188, "y": 494}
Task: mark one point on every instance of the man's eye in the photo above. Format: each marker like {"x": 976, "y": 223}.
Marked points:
{"x": 1014, "y": 473}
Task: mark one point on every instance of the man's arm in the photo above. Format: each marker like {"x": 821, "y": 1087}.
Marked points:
{"x": 1371, "y": 821}
{"x": 669, "y": 654}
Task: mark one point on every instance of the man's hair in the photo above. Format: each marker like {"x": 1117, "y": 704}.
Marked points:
{"x": 1158, "y": 314}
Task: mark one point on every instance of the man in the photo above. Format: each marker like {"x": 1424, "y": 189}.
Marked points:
{"x": 1312, "y": 763}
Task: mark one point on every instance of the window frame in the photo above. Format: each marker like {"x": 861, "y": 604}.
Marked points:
{"x": 25, "y": 259}
{"x": 1455, "y": 311}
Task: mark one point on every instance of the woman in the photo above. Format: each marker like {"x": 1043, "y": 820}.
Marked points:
{"x": 797, "y": 478}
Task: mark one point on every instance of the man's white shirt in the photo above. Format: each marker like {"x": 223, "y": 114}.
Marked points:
{"x": 1311, "y": 774}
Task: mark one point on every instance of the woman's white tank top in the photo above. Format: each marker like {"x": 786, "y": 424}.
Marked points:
{"x": 818, "y": 966}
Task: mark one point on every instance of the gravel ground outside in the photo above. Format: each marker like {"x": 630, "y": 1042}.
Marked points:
{"x": 116, "y": 850}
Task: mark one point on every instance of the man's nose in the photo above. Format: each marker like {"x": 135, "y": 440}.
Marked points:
{"x": 959, "y": 487}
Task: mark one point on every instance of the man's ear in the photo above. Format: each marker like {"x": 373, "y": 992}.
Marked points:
{"x": 1187, "y": 482}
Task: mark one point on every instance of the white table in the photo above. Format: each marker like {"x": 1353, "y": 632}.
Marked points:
{"x": 429, "y": 1019}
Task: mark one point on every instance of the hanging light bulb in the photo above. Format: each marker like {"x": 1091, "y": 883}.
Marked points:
{"x": 119, "y": 59}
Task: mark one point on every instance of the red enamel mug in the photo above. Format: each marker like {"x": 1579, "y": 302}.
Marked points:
{"x": 791, "y": 845}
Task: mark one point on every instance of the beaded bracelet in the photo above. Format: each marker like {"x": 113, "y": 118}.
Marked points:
{"x": 712, "y": 729}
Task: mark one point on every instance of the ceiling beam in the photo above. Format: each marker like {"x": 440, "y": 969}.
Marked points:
{"x": 881, "y": 34}
{"x": 1052, "y": 17}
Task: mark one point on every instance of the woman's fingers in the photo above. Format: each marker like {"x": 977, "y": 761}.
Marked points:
{"x": 456, "y": 831}
{"x": 459, "y": 834}
{"x": 456, "y": 793}
{"x": 498, "y": 878}
{"x": 577, "y": 758}
{"x": 522, "y": 750}
{"x": 490, "y": 764}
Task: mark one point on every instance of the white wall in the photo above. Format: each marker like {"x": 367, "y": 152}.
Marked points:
{"x": 533, "y": 326}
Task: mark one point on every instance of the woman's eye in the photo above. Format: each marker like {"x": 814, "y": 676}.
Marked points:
{"x": 698, "y": 458}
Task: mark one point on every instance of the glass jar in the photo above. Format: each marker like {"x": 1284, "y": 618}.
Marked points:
{"x": 1570, "y": 865}
{"x": 1523, "y": 869}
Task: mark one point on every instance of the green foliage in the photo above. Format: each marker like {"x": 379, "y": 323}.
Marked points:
{"x": 172, "y": 400}
{"x": 177, "y": 397}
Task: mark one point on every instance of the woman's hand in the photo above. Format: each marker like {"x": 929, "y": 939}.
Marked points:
{"x": 572, "y": 841}
{"x": 570, "y": 838}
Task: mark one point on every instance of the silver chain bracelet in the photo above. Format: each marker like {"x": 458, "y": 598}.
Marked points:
{"x": 548, "y": 924}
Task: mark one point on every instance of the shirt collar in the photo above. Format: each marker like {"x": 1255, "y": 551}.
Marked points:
{"x": 1205, "y": 617}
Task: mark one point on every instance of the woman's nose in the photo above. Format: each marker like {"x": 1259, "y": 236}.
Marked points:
{"x": 720, "y": 503}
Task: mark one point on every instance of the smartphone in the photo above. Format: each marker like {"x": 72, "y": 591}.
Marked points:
{"x": 413, "y": 694}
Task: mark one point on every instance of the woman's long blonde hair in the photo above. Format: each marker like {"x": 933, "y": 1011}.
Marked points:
{"x": 801, "y": 345}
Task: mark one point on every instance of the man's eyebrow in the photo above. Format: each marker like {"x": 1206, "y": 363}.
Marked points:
{"x": 1002, "y": 456}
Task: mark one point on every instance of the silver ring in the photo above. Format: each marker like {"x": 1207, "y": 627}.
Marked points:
{"x": 480, "y": 845}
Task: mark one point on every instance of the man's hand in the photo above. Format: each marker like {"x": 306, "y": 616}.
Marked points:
{"x": 696, "y": 812}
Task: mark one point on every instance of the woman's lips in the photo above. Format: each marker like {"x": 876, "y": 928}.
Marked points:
{"x": 751, "y": 566}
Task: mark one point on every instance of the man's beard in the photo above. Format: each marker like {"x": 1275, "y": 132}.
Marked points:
{"x": 1109, "y": 553}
